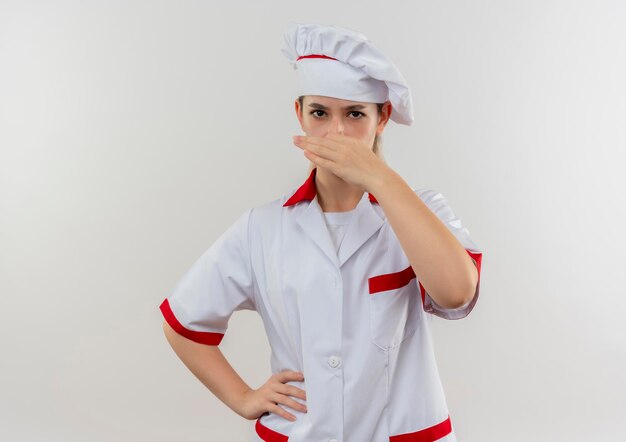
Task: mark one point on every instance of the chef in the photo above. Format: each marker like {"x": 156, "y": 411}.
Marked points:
{"x": 345, "y": 269}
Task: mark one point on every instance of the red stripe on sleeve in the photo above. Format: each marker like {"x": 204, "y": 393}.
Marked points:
{"x": 207, "y": 338}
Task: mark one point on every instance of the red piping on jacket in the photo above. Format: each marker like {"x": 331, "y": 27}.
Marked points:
{"x": 429, "y": 434}
{"x": 207, "y": 338}
{"x": 395, "y": 280}
{"x": 267, "y": 434}
{"x": 308, "y": 190}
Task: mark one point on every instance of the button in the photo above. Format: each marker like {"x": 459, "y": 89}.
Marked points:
{"x": 334, "y": 361}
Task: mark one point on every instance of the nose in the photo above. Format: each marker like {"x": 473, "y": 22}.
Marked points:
{"x": 335, "y": 126}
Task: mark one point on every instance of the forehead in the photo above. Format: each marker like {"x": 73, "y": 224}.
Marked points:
{"x": 332, "y": 102}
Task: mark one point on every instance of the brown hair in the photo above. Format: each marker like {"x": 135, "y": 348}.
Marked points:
{"x": 377, "y": 140}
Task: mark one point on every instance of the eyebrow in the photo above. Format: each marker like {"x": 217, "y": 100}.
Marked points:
{"x": 322, "y": 107}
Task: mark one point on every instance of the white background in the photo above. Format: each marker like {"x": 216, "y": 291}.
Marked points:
{"x": 133, "y": 133}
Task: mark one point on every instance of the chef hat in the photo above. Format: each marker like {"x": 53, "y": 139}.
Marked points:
{"x": 336, "y": 62}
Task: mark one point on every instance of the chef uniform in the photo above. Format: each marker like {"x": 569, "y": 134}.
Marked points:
{"x": 337, "y": 295}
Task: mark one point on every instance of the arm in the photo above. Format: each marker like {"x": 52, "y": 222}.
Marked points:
{"x": 444, "y": 267}
{"x": 211, "y": 368}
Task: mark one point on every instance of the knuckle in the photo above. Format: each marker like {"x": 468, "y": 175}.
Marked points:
{"x": 271, "y": 397}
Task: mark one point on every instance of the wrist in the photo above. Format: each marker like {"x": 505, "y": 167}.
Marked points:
{"x": 382, "y": 180}
{"x": 238, "y": 405}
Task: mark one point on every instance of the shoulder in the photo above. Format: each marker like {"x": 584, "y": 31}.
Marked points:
{"x": 428, "y": 195}
{"x": 437, "y": 202}
{"x": 274, "y": 206}
{"x": 268, "y": 209}
{"x": 268, "y": 214}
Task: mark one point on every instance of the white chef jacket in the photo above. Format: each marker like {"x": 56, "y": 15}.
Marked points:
{"x": 352, "y": 320}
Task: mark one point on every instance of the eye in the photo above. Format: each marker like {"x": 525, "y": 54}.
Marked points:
{"x": 359, "y": 115}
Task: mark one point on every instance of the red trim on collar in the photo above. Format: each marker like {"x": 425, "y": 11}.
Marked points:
{"x": 307, "y": 191}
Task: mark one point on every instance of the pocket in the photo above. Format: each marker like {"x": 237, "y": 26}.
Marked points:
{"x": 394, "y": 307}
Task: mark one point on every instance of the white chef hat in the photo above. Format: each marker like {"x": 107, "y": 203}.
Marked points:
{"x": 333, "y": 61}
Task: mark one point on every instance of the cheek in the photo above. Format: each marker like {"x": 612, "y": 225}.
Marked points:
{"x": 313, "y": 127}
{"x": 365, "y": 131}
{"x": 309, "y": 121}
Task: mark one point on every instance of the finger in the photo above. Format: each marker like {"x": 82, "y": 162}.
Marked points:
{"x": 322, "y": 162}
{"x": 322, "y": 144}
{"x": 286, "y": 400}
{"x": 292, "y": 391}
{"x": 277, "y": 409}
{"x": 323, "y": 141}
{"x": 289, "y": 375}
{"x": 319, "y": 149}
{"x": 332, "y": 140}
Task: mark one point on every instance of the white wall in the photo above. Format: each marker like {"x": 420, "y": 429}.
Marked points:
{"x": 133, "y": 133}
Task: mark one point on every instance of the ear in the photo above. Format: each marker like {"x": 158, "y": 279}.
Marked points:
{"x": 297, "y": 108}
{"x": 383, "y": 119}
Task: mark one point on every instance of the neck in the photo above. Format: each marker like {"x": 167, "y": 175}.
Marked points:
{"x": 334, "y": 194}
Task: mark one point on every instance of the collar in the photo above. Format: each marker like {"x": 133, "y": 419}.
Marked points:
{"x": 308, "y": 191}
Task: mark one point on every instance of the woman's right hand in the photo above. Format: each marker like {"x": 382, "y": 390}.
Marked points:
{"x": 255, "y": 403}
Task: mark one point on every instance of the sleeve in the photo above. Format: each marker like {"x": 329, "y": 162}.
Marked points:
{"x": 217, "y": 284}
{"x": 438, "y": 204}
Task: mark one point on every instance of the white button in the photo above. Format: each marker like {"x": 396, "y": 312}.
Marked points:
{"x": 334, "y": 361}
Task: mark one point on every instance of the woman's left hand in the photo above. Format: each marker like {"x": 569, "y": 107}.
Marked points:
{"x": 347, "y": 157}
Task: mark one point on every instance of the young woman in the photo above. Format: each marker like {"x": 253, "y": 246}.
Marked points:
{"x": 343, "y": 270}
